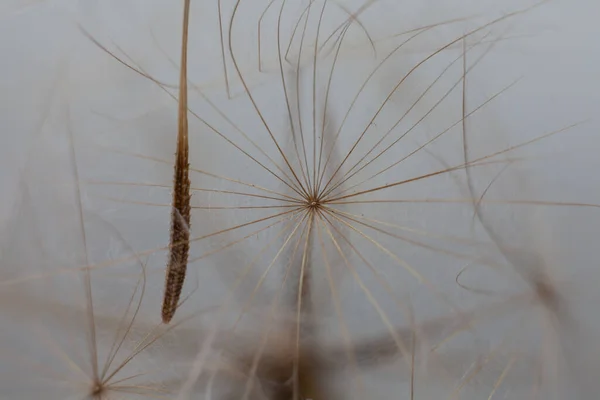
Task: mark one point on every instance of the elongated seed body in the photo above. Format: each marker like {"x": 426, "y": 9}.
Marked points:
{"x": 180, "y": 212}
{"x": 180, "y": 235}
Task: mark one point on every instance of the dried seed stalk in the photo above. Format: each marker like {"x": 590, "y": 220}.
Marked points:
{"x": 180, "y": 213}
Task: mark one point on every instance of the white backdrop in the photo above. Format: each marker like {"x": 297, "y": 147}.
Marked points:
{"x": 71, "y": 113}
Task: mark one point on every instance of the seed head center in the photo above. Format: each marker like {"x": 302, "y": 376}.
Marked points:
{"x": 313, "y": 203}
{"x": 97, "y": 389}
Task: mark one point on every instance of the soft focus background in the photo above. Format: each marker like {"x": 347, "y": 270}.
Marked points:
{"x": 69, "y": 112}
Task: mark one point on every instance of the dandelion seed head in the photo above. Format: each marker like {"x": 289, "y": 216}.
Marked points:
{"x": 308, "y": 189}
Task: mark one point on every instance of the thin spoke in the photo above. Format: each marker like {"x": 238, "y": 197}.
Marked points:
{"x": 285, "y": 93}
{"x": 245, "y": 224}
{"x": 136, "y": 256}
{"x": 400, "y": 261}
{"x": 262, "y": 16}
{"x": 477, "y": 162}
{"x": 420, "y": 232}
{"x": 397, "y": 339}
{"x": 335, "y": 59}
{"x": 71, "y": 364}
{"x": 148, "y": 203}
{"x": 447, "y": 170}
{"x": 347, "y": 177}
{"x": 87, "y": 281}
{"x": 230, "y": 244}
{"x": 222, "y": 41}
{"x": 502, "y": 376}
{"x": 203, "y": 172}
{"x": 243, "y": 183}
{"x": 258, "y": 355}
{"x": 314, "y": 92}
{"x": 248, "y": 302}
{"x": 364, "y": 84}
{"x": 421, "y": 279}
{"x": 287, "y": 51}
{"x": 117, "y": 344}
{"x": 199, "y": 363}
{"x": 229, "y": 192}
{"x": 149, "y": 339}
{"x": 251, "y": 98}
{"x": 235, "y": 126}
{"x": 353, "y": 17}
{"x": 470, "y": 33}
{"x": 348, "y": 346}
{"x": 436, "y": 249}
{"x": 241, "y": 207}
{"x": 211, "y": 127}
{"x": 303, "y": 292}
{"x": 298, "y": 102}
